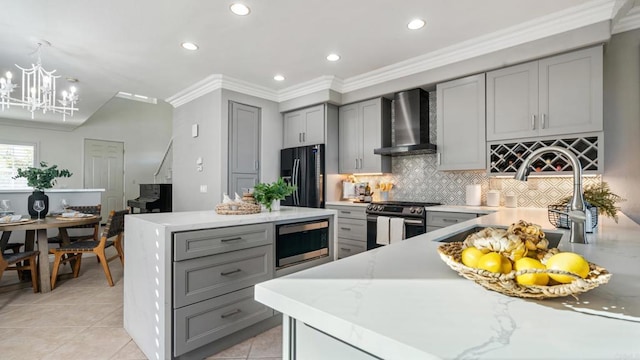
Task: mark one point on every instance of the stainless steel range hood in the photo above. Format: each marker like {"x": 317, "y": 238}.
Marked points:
{"x": 411, "y": 125}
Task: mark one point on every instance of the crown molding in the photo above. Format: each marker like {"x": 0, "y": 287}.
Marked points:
{"x": 552, "y": 24}
{"x": 219, "y": 81}
{"x": 592, "y": 12}
{"x": 628, "y": 22}
{"x": 326, "y": 82}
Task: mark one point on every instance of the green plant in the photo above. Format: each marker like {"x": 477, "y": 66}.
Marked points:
{"x": 600, "y": 196}
{"x": 265, "y": 193}
{"x": 43, "y": 177}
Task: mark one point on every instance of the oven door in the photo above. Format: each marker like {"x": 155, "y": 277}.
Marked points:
{"x": 412, "y": 227}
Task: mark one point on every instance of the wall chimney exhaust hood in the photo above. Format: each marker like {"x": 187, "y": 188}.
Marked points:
{"x": 411, "y": 125}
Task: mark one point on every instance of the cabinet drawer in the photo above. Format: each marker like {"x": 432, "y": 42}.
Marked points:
{"x": 350, "y": 212}
{"x": 193, "y": 244}
{"x": 352, "y": 229}
{"x": 206, "y": 277}
{"x": 199, "y": 324}
{"x": 443, "y": 218}
{"x": 348, "y": 247}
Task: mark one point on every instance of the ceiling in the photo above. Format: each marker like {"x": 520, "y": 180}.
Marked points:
{"x": 134, "y": 46}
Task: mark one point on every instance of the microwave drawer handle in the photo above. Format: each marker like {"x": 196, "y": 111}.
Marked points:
{"x": 295, "y": 228}
{"x": 225, "y": 273}
{"x": 413, "y": 222}
{"x": 232, "y": 239}
{"x": 230, "y": 313}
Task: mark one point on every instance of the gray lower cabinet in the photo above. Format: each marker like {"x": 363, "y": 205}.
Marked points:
{"x": 439, "y": 219}
{"x": 214, "y": 271}
{"x": 352, "y": 229}
{"x": 206, "y": 321}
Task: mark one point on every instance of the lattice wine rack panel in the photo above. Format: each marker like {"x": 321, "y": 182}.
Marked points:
{"x": 506, "y": 158}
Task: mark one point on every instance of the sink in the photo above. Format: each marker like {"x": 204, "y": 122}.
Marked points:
{"x": 554, "y": 237}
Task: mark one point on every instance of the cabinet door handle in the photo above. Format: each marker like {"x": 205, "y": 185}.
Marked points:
{"x": 345, "y": 249}
{"x": 299, "y": 137}
{"x": 232, "y": 239}
{"x": 225, "y": 273}
{"x": 256, "y": 165}
{"x": 544, "y": 118}
{"x": 345, "y": 228}
{"x": 438, "y": 155}
{"x": 304, "y": 136}
{"x": 230, "y": 313}
{"x": 450, "y": 220}
{"x": 533, "y": 122}
{"x": 345, "y": 212}
{"x": 356, "y": 163}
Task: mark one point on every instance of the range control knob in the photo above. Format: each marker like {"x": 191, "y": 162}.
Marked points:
{"x": 412, "y": 210}
{"x": 369, "y": 207}
{"x": 419, "y": 210}
{"x": 380, "y": 207}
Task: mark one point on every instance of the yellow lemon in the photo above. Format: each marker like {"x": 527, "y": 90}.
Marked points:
{"x": 491, "y": 261}
{"x": 530, "y": 279}
{"x": 505, "y": 265}
{"x": 470, "y": 256}
{"x": 568, "y": 261}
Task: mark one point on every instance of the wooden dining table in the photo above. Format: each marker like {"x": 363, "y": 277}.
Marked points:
{"x": 37, "y": 230}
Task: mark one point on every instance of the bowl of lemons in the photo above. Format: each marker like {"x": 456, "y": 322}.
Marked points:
{"x": 518, "y": 262}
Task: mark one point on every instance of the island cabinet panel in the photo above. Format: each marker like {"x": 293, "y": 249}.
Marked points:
{"x": 352, "y": 229}
{"x": 210, "y": 276}
{"x": 204, "y": 322}
{"x": 439, "y": 219}
{"x": 313, "y": 344}
{"x": 193, "y": 244}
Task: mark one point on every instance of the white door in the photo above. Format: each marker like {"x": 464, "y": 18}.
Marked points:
{"x": 104, "y": 169}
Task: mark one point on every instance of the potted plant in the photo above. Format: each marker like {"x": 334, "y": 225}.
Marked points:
{"x": 601, "y": 197}
{"x": 40, "y": 179}
{"x": 269, "y": 195}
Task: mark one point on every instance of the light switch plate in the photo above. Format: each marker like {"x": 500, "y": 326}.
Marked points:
{"x": 194, "y": 130}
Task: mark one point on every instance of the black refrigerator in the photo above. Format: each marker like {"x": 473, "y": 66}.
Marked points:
{"x": 304, "y": 167}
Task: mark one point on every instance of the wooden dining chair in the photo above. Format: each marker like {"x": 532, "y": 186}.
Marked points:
{"x": 85, "y": 209}
{"x": 17, "y": 261}
{"x": 74, "y": 251}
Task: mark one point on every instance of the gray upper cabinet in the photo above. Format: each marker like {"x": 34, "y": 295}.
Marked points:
{"x": 304, "y": 127}
{"x": 554, "y": 96}
{"x": 244, "y": 147}
{"x": 460, "y": 138}
{"x": 360, "y": 131}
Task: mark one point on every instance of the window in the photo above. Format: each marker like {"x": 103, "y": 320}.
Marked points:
{"x": 14, "y": 156}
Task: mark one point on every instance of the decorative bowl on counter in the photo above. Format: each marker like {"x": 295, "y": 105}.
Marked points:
{"x": 451, "y": 254}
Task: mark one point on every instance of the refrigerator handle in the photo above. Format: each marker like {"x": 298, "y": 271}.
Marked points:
{"x": 319, "y": 178}
{"x": 296, "y": 168}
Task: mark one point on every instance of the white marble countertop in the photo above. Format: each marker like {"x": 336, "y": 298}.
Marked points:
{"x": 193, "y": 220}
{"x": 50, "y": 191}
{"x": 347, "y": 203}
{"x": 403, "y": 302}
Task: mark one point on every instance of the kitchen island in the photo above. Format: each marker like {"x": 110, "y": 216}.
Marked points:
{"x": 189, "y": 276}
{"x": 403, "y": 302}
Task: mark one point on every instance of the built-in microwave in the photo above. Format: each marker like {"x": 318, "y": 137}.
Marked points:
{"x": 301, "y": 242}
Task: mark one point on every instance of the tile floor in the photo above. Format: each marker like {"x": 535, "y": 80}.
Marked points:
{"x": 82, "y": 319}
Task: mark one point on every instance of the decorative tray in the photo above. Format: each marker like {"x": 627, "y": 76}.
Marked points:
{"x": 238, "y": 208}
{"x": 451, "y": 254}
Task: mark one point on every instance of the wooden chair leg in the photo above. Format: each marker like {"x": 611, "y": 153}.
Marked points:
{"x": 105, "y": 267}
{"x": 54, "y": 271}
{"x": 76, "y": 266}
{"x": 118, "y": 246}
{"x": 34, "y": 273}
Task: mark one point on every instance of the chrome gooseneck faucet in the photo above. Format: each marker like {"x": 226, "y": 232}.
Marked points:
{"x": 576, "y": 213}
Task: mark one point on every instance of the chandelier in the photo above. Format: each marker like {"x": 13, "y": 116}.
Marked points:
{"x": 38, "y": 91}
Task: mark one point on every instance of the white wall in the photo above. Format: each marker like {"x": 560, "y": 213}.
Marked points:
{"x": 211, "y": 113}
{"x": 145, "y": 130}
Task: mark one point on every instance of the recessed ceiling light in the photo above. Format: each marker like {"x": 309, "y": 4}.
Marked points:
{"x": 415, "y": 24}
{"x": 189, "y": 46}
{"x": 240, "y": 9}
{"x": 333, "y": 57}
{"x": 278, "y": 78}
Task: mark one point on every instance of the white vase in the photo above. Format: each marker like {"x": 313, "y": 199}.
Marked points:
{"x": 275, "y": 205}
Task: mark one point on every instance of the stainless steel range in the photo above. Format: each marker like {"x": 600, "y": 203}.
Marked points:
{"x": 413, "y": 213}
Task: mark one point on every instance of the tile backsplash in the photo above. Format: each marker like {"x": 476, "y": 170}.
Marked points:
{"x": 416, "y": 178}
